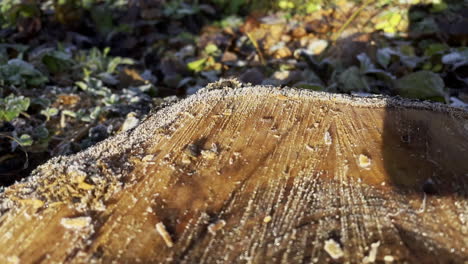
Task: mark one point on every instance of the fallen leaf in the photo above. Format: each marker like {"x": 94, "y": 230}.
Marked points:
{"x": 351, "y": 80}
{"x": 197, "y": 65}
{"x": 421, "y": 85}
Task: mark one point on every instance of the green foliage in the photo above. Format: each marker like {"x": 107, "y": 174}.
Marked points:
{"x": 49, "y": 112}
{"x": 197, "y": 65}
{"x": 67, "y": 12}
{"x": 25, "y": 140}
{"x": 390, "y": 21}
{"x": 365, "y": 78}
{"x": 57, "y": 61}
{"x": 103, "y": 19}
{"x": 17, "y": 48}
{"x": 12, "y": 106}
{"x": 455, "y": 58}
{"x": 96, "y": 87}
{"x": 421, "y": 85}
{"x": 12, "y": 10}
{"x": 95, "y": 62}
{"x": 232, "y": 7}
{"x": 301, "y": 6}
{"x": 212, "y": 50}
{"x": 178, "y": 9}
{"x": 352, "y": 80}
{"x": 21, "y": 73}
{"x": 231, "y": 21}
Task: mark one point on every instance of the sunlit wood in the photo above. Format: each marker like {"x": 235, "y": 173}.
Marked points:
{"x": 254, "y": 175}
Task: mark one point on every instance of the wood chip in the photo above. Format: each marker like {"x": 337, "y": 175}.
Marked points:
{"x": 327, "y": 138}
{"x": 35, "y": 203}
{"x": 389, "y": 259}
{"x": 372, "y": 253}
{"x": 186, "y": 159}
{"x": 282, "y": 97}
{"x": 148, "y": 158}
{"x": 164, "y": 234}
{"x": 208, "y": 154}
{"x": 364, "y": 161}
{"x": 333, "y": 249}
{"x": 85, "y": 186}
{"x": 213, "y": 228}
{"x": 228, "y": 112}
{"x": 76, "y": 222}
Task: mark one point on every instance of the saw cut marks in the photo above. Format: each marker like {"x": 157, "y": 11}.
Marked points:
{"x": 254, "y": 175}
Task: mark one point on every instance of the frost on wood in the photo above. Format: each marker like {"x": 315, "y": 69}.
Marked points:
{"x": 164, "y": 234}
{"x": 364, "y": 161}
{"x": 75, "y": 223}
{"x": 333, "y": 249}
{"x": 254, "y": 174}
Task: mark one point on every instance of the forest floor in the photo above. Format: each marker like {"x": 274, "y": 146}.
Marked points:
{"x": 74, "y": 73}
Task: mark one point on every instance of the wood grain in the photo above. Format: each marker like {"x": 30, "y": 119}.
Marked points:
{"x": 254, "y": 175}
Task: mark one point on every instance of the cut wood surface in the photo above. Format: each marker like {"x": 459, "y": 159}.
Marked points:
{"x": 254, "y": 175}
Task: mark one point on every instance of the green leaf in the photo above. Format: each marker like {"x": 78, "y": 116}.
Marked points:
{"x": 456, "y": 58}
{"x": 381, "y": 75}
{"x": 82, "y": 85}
{"x": 18, "y": 48}
{"x": 351, "y": 80}
{"x": 211, "y": 49}
{"x": 365, "y": 62}
{"x": 384, "y": 56}
{"x": 57, "y": 61}
{"x": 435, "y": 48}
{"x": 197, "y": 65}
{"x": 12, "y": 106}
{"x": 232, "y": 21}
{"x": 439, "y": 7}
{"x": 41, "y": 132}
{"x": 312, "y": 7}
{"x": 12, "y": 10}
{"x": 283, "y": 4}
{"x": 19, "y": 72}
{"x": 426, "y": 26}
{"x": 25, "y": 140}
{"x": 407, "y": 50}
{"x": 389, "y": 21}
{"x": 69, "y": 113}
{"x": 95, "y": 112}
{"x": 49, "y": 111}
{"x": 311, "y": 77}
{"x": 368, "y": 68}
{"x": 102, "y": 18}
{"x": 421, "y": 85}
{"x": 118, "y": 61}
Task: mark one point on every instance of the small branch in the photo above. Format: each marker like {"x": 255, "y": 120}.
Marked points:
{"x": 257, "y": 48}
{"x": 350, "y": 19}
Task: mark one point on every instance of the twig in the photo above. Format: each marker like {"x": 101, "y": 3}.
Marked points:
{"x": 257, "y": 48}
{"x": 350, "y": 19}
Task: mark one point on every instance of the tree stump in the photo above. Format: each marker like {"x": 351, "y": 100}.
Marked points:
{"x": 254, "y": 175}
